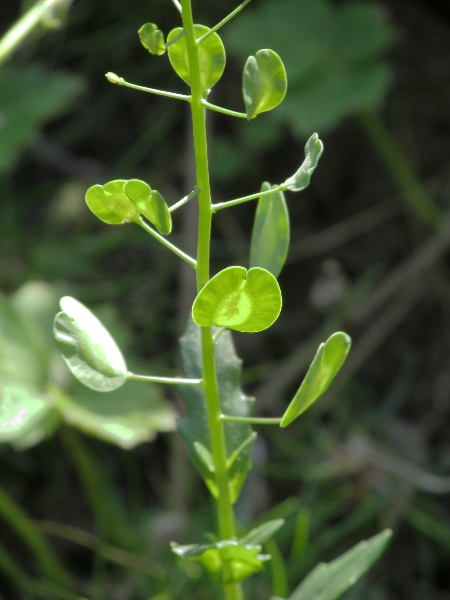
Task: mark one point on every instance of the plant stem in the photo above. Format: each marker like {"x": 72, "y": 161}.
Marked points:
{"x": 223, "y": 21}
{"x": 224, "y": 111}
{"x": 113, "y": 78}
{"x": 225, "y": 513}
{"x": 254, "y": 420}
{"x": 166, "y": 243}
{"x": 19, "y": 31}
{"x": 166, "y": 380}
{"x": 220, "y": 205}
{"x": 184, "y": 200}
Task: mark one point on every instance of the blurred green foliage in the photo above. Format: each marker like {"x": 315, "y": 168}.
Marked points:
{"x": 29, "y": 98}
{"x": 36, "y": 393}
{"x": 333, "y": 53}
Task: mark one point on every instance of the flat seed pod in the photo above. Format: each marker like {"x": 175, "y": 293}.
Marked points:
{"x": 326, "y": 364}
{"x": 152, "y": 39}
{"x": 313, "y": 151}
{"x": 211, "y": 56}
{"x": 264, "y": 82}
{"x": 87, "y": 347}
{"x": 109, "y": 203}
{"x": 238, "y": 299}
{"x": 270, "y": 236}
{"x": 150, "y": 203}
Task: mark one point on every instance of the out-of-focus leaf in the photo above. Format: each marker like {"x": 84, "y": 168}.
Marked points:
{"x": 264, "y": 82}
{"x": 333, "y": 54}
{"x": 262, "y": 533}
{"x": 329, "y": 581}
{"x": 211, "y": 56}
{"x": 194, "y": 426}
{"x": 30, "y": 97}
{"x": 240, "y": 561}
{"x": 24, "y": 355}
{"x": 152, "y": 39}
{"x": 26, "y": 410}
{"x": 270, "y": 236}
{"x": 238, "y": 299}
{"x": 125, "y": 417}
{"x": 88, "y": 349}
{"x": 326, "y": 364}
{"x": 26, "y": 416}
{"x": 301, "y": 178}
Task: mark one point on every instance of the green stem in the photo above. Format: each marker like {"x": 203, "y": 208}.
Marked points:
{"x": 113, "y": 78}
{"x": 222, "y": 22}
{"x": 254, "y": 420}
{"x": 178, "y": 37}
{"x": 165, "y": 380}
{"x": 220, "y": 205}
{"x": 225, "y": 111}
{"x": 403, "y": 175}
{"x": 19, "y": 31}
{"x": 166, "y": 243}
{"x": 184, "y": 200}
{"x": 225, "y": 513}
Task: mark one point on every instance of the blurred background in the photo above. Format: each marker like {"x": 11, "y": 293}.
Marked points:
{"x": 94, "y": 487}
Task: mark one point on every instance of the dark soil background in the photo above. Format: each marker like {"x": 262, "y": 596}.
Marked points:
{"x": 375, "y": 452}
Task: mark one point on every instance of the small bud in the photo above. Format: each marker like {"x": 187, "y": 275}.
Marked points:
{"x": 113, "y": 78}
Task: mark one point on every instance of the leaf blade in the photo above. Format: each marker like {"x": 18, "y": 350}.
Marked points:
{"x": 270, "y": 236}
{"x": 88, "y": 349}
{"x": 330, "y": 581}
{"x": 211, "y": 56}
{"x": 326, "y": 364}
{"x": 194, "y": 426}
{"x": 264, "y": 82}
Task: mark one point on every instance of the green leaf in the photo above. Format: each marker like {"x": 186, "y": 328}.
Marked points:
{"x": 26, "y": 415}
{"x": 238, "y": 299}
{"x": 326, "y": 364}
{"x": 270, "y": 236}
{"x": 262, "y": 533}
{"x": 150, "y": 203}
{"x": 239, "y": 560}
{"x": 205, "y": 456}
{"x": 211, "y": 56}
{"x": 194, "y": 426}
{"x": 125, "y": 417}
{"x": 264, "y": 82}
{"x": 313, "y": 151}
{"x": 152, "y": 39}
{"x": 330, "y": 581}
{"x": 24, "y": 354}
{"x": 110, "y": 204}
{"x": 88, "y": 349}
